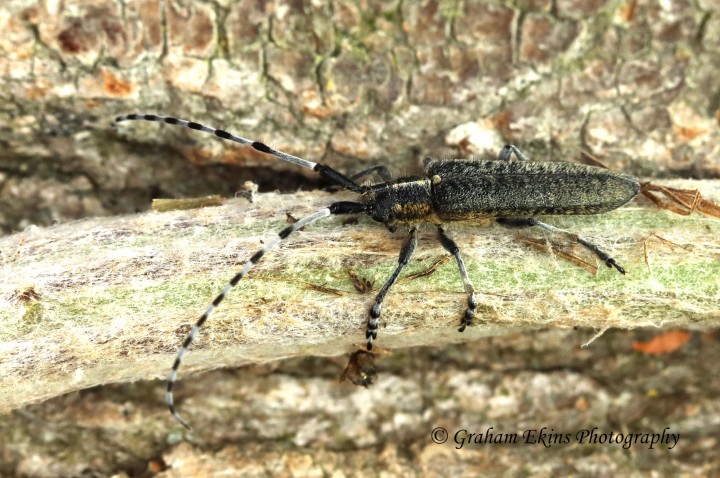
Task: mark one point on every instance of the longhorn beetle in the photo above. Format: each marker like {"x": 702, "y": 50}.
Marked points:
{"x": 511, "y": 192}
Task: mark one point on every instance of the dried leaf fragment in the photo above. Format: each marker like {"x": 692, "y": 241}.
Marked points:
{"x": 663, "y": 344}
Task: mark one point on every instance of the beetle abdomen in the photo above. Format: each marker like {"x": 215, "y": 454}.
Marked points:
{"x": 464, "y": 190}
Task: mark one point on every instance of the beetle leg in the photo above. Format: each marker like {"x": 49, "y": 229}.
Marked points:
{"x": 508, "y": 151}
{"x": 407, "y": 249}
{"x": 453, "y": 249}
{"x": 529, "y": 222}
{"x": 382, "y": 171}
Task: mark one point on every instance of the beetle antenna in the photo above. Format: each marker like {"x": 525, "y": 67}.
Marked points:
{"x": 342, "y": 207}
{"x": 325, "y": 171}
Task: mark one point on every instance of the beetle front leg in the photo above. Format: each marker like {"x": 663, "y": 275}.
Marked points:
{"x": 380, "y": 169}
{"x": 529, "y": 222}
{"x": 453, "y": 249}
{"x": 407, "y": 250}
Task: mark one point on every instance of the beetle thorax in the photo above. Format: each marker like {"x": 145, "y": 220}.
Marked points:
{"x": 403, "y": 201}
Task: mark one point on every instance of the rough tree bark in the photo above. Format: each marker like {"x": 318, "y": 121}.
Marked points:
{"x": 345, "y": 83}
{"x": 350, "y": 84}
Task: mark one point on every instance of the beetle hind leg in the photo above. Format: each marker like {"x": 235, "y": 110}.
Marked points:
{"x": 453, "y": 249}
{"x": 529, "y": 222}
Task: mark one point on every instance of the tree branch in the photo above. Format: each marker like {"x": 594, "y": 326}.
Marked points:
{"x": 110, "y": 299}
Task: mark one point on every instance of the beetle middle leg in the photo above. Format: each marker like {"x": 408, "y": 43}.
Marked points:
{"x": 506, "y": 153}
{"x": 529, "y": 222}
{"x": 407, "y": 250}
{"x": 453, "y": 249}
